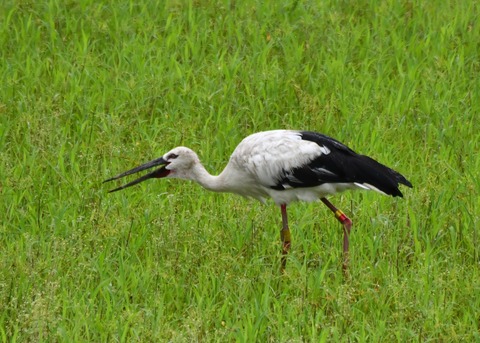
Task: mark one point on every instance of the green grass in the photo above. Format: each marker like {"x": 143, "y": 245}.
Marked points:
{"x": 89, "y": 89}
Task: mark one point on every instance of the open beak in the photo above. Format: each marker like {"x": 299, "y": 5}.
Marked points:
{"x": 158, "y": 173}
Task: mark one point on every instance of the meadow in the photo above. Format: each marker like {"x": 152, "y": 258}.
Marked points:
{"x": 92, "y": 88}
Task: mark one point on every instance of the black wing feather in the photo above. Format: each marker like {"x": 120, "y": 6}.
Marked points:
{"x": 341, "y": 165}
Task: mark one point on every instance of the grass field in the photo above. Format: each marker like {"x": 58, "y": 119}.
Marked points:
{"x": 90, "y": 89}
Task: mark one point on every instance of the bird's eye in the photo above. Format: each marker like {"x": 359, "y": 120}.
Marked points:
{"x": 172, "y": 156}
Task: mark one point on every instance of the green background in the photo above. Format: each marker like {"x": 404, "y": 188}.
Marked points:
{"x": 90, "y": 89}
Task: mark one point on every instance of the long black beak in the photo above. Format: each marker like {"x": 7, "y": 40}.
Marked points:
{"x": 158, "y": 173}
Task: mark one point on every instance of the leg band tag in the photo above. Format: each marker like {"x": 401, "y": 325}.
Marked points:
{"x": 285, "y": 234}
{"x": 340, "y": 216}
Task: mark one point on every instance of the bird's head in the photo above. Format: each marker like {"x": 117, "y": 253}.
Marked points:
{"x": 177, "y": 163}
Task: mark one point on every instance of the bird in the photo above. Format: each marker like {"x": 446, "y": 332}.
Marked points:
{"x": 286, "y": 166}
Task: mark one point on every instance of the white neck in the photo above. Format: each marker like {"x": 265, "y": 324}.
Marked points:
{"x": 230, "y": 180}
{"x": 214, "y": 183}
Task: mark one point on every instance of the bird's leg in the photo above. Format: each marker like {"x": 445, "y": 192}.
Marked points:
{"x": 347, "y": 225}
{"x": 285, "y": 237}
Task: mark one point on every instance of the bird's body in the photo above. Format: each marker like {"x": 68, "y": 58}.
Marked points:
{"x": 285, "y": 165}
{"x": 262, "y": 162}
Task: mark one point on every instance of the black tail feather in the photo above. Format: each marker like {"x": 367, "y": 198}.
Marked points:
{"x": 367, "y": 170}
{"x": 341, "y": 164}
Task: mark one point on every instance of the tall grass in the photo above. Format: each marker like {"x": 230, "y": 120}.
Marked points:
{"x": 89, "y": 89}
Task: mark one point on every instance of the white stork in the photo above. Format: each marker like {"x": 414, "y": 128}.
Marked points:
{"x": 284, "y": 165}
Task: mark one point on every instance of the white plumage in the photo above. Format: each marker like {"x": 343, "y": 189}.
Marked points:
{"x": 284, "y": 165}
{"x": 264, "y": 157}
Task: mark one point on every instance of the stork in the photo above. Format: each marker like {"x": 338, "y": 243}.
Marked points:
{"x": 287, "y": 166}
